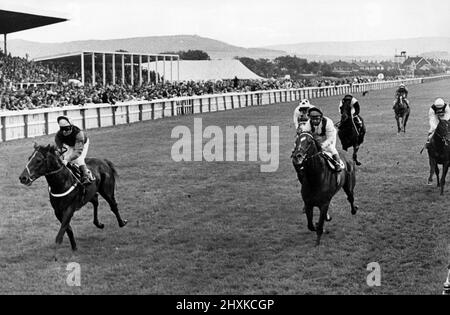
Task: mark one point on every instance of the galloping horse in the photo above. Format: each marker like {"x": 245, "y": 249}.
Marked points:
{"x": 439, "y": 153}
{"x": 319, "y": 182}
{"x": 348, "y": 133}
{"x": 67, "y": 195}
{"x": 402, "y": 112}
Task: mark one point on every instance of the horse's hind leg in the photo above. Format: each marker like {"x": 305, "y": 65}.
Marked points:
{"x": 444, "y": 174}
{"x": 94, "y": 202}
{"x": 107, "y": 192}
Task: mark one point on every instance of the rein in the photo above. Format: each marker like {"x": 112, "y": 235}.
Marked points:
{"x": 33, "y": 178}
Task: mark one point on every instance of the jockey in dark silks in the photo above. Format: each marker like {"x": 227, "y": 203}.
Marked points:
{"x": 355, "y": 109}
{"x": 75, "y": 143}
{"x": 401, "y": 91}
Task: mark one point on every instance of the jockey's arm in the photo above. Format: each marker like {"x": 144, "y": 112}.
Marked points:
{"x": 296, "y": 117}
{"x": 79, "y": 145}
{"x": 434, "y": 121}
{"x": 357, "y": 108}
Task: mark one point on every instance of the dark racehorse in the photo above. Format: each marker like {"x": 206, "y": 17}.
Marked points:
{"x": 439, "y": 153}
{"x": 349, "y": 134}
{"x": 67, "y": 195}
{"x": 402, "y": 112}
{"x": 319, "y": 182}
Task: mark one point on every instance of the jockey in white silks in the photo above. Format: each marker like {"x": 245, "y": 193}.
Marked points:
{"x": 301, "y": 114}
{"x": 323, "y": 129}
{"x": 355, "y": 109}
{"x": 438, "y": 111}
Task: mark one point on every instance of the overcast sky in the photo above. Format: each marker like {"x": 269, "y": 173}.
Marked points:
{"x": 247, "y": 23}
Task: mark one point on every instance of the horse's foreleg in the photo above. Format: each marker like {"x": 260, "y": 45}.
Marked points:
{"x": 69, "y": 232}
{"x": 399, "y": 129}
{"x": 309, "y": 216}
{"x": 355, "y": 155}
{"x": 433, "y": 167}
{"x": 349, "y": 188}
{"x": 64, "y": 218}
{"x": 320, "y": 224}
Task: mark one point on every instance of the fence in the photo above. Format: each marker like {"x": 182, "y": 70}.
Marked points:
{"x": 39, "y": 122}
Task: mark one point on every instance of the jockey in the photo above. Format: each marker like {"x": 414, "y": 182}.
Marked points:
{"x": 438, "y": 111}
{"x": 323, "y": 128}
{"x": 301, "y": 114}
{"x": 401, "y": 91}
{"x": 77, "y": 144}
{"x": 355, "y": 109}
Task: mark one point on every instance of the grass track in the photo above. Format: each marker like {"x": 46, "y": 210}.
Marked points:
{"x": 227, "y": 228}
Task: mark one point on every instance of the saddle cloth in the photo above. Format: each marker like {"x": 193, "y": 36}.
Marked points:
{"x": 330, "y": 162}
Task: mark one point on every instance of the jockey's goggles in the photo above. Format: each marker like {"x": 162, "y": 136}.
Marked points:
{"x": 66, "y": 128}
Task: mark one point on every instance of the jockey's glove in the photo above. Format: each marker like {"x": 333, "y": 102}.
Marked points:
{"x": 65, "y": 162}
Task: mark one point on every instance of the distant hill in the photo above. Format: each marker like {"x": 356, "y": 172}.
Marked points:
{"x": 381, "y": 49}
{"x": 154, "y": 44}
{"x": 445, "y": 55}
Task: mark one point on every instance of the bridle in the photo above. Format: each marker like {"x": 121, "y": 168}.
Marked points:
{"x": 33, "y": 177}
{"x": 307, "y": 149}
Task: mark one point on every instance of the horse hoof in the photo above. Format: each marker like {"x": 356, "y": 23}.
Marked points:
{"x": 124, "y": 222}
{"x": 358, "y": 163}
{"x": 355, "y": 210}
{"x": 99, "y": 225}
{"x": 328, "y": 218}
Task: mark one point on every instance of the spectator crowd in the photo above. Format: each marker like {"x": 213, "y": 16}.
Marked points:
{"x": 51, "y": 87}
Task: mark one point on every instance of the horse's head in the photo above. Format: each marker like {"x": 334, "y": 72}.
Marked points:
{"x": 43, "y": 161}
{"x": 443, "y": 131}
{"x": 305, "y": 147}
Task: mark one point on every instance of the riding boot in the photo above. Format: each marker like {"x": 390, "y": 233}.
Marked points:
{"x": 86, "y": 176}
{"x": 337, "y": 163}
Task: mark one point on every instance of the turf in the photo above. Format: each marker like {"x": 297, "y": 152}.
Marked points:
{"x": 227, "y": 228}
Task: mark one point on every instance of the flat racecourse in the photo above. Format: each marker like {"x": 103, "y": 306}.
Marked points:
{"x": 227, "y": 228}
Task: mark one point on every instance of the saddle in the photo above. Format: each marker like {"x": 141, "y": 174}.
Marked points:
{"x": 75, "y": 169}
{"x": 330, "y": 161}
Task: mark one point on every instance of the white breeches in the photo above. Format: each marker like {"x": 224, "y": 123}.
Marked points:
{"x": 330, "y": 149}
{"x": 80, "y": 161}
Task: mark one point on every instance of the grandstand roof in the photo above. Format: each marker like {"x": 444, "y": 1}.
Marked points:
{"x": 203, "y": 70}
{"x": 74, "y": 56}
{"x": 15, "y": 18}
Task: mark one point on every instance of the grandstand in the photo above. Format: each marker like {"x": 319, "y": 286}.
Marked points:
{"x": 15, "y": 18}
{"x": 115, "y": 65}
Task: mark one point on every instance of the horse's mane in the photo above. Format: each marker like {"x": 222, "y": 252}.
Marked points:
{"x": 46, "y": 149}
{"x": 443, "y": 128}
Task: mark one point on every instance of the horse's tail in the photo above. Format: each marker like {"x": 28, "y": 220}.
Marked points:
{"x": 115, "y": 175}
